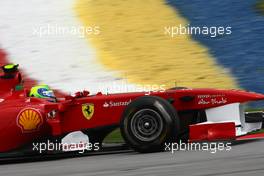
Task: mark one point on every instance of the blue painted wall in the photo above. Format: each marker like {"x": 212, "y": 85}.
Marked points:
{"x": 242, "y": 52}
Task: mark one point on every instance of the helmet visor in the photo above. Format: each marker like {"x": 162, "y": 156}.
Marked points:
{"x": 45, "y": 93}
{"x": 49, "y": 94}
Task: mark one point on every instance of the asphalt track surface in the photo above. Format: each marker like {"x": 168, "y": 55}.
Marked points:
{"x": 243, "y": 159}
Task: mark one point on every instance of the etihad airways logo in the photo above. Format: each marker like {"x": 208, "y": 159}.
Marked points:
{"x": 116, "y": 103}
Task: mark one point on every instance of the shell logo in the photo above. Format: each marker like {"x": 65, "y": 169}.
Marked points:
{"x": 29, "y": 120}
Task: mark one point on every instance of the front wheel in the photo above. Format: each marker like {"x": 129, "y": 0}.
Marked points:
{"x": 148, "y": 122}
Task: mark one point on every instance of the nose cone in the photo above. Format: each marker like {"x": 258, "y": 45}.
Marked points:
{"x": 246, "y": 95}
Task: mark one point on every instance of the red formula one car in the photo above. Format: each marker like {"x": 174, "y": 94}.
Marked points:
{"x": 147, "y": 121}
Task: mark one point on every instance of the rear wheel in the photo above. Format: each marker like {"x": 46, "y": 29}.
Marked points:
{"x": 148, "y": 122}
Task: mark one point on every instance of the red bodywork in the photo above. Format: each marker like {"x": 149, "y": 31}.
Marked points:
{"x": 18, "y": 127}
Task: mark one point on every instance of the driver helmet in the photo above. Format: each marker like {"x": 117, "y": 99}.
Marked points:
{"x": 41, "y": 91}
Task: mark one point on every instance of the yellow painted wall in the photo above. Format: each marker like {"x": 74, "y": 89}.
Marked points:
{"x": 132, "y": 41}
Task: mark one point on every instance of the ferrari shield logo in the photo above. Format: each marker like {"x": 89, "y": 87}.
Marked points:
{"x": 88, "y": 110}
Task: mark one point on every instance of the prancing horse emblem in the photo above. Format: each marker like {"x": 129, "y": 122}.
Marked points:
{"x": 88, "y": 110}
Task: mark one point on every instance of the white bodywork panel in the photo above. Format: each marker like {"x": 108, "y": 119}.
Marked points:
{"x": 75, "y": 141}
{"x": 232, "y": 113}
{"x": 226, "y": 113}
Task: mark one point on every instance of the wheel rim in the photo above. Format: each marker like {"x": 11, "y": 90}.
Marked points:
{"x": 146, "y": 125}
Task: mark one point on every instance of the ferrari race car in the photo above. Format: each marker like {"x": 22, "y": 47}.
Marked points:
{"x": 146, "y": 120}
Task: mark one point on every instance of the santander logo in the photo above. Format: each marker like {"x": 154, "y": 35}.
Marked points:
{"x": 116, "y": 103}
